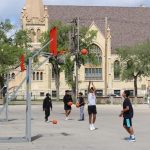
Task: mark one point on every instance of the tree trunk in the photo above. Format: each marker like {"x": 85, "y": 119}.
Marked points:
{"x": 1, "y": 81}
{"x": 57, "y": 84}
{"x": 57, "y": 78}
{"x": 135, "y": 89}
{"x": 74, "y": 93}
{"x": 1, "y": 85}
{"x": 135, "y": 85}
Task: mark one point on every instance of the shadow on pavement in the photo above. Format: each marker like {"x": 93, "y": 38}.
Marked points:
{"x": 36, "y": 137}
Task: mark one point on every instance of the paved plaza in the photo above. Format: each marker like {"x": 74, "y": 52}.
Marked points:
{"x": 73, "y": 134}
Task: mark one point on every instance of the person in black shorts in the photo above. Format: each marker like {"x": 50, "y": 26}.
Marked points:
{"x": 67, "y": 98}
{"x": 127, "y": 114}
{"x": 92, "y": 105}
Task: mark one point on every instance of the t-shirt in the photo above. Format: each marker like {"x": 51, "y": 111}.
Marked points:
{"x": 91, "y": 99}
{"x": 81, "y": 101}
{"x": 47, "y": 103}
{"x": 67, "y": 98}
{"x": 129, "y": 113}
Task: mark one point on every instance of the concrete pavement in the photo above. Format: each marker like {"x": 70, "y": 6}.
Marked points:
{"x": 73, "y": 134}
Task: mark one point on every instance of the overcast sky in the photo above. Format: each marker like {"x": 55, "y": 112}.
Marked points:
{"x": 11, "y": 9}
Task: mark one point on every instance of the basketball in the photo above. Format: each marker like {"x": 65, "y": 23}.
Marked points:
{"x": 77, "y": 104}
{"x": 69, "y": 103}
{"x": 54, "y": 121}
{"x": 84, "y": 51}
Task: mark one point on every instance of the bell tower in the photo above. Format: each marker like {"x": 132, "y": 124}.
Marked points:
{"x": 35, "y": 19}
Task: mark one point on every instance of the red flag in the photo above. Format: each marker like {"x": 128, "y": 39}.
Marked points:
{"x": 22, "y": 65}
{"x": 53, "y": 41}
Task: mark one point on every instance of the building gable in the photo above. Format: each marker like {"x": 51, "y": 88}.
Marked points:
{"x": 128, "y": 25}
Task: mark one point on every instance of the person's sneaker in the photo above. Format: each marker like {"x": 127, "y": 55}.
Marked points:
{"x": 66, "y": 118}
{"x": 131, "y": 139}
{"x": 80, "y": 119}
{"x": 93, "y": 127}
{"x": 47, "y": 121}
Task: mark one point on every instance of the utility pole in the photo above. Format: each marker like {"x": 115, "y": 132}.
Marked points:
{"x": 77, "y": 55}
{"x": 106, "y": 41}
{"x": 28, "y": 100}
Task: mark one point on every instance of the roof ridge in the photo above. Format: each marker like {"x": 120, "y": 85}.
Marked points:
{"x": 99, "y": 6}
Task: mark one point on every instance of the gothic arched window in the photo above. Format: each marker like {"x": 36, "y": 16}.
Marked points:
{"x": 13, "y": 75}
{"x": 37, "y": 76}
{"x": 97, "y": 53}
{"x": 94, "y": 73}
{"x": 41, "y": 76}
{"x": 32, "y": 34}
{"x": 38, "y": 34}
{"x": 33, "y": 75}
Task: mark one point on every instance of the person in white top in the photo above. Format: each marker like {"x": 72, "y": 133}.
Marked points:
{"x": 92, "y": 105}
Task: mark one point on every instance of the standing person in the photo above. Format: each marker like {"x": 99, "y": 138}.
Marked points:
{"x": 67, "y": 98}
{"x": 127, "y": 114}
{"x": 47, "y": 104}
{"x": 92, "y": 105}
{"x": 81, "y": 105}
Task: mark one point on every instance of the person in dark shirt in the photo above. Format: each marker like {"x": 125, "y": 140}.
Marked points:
{"x": 81, "y": 105}
{"x": 67, "y": 98}
{"x": 47, "y": 104}
{"x": 127, "y": 114}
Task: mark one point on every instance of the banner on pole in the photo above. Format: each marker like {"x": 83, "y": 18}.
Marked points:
{"x": 53, "y": 39}
{"x": 22, "y": 65}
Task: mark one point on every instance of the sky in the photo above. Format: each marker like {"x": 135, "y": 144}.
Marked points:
{"x": 11, "y": 9}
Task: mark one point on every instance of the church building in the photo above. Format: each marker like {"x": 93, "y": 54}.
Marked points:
{"x": 116, "y": 26}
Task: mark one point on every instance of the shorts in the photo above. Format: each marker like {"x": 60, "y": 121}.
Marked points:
{"x": 92, "y": 109}
{"x": 127, "y": 122}
{"x": 66, "y": 107}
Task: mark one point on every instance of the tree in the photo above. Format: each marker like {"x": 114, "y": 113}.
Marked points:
{"x": 11, "y": 48}
{"x": 69, "y": 73}
{"x": 86, "y": 39}
{"x": 22, "y": 39}
{"x": 64, "y": 44}
{"x": 135, "y": 62}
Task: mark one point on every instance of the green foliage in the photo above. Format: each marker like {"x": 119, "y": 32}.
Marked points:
{"x": 64, "y": 43}
{"x": 9, "y": 57}
{"x": 22, "y": 39}
{"x": 69, "y": 70}
{"x": 62, "y": 36}
{"x": 87, "y": 38}
{"x": 135, "y": 61}
{"x": 117, "y": 70}
{"x": 5, "y": 27}
{"x": 11, "y": 48}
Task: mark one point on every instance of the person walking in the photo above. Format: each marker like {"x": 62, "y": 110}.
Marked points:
{"x": 47, "y": 104}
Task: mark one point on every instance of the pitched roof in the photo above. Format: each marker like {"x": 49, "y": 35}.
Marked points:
{"x": 128, "y": 25}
